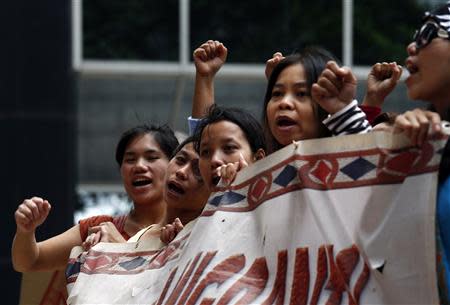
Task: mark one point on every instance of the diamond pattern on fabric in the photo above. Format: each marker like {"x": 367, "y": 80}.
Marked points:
{"x": 321, "y": 171}
{"x": 73, "y": 269}
{"x": 358, "y": 168}
{"x": 133, "y": 264}
{"x": 286, "y": 176}
{"x": 226, "y": 198}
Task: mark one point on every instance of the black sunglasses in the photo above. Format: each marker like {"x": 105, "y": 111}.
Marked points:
{"x": 427, "y": 33}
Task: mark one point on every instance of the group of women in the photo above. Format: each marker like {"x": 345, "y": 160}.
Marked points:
{"x": 309, "y": 95}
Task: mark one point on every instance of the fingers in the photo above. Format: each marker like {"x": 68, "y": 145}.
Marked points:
{"x": 385, "y": 70}
{"x": 172, "y": 233}
{"x": 32, "y": 213}
{"x": 33, "y": 205}
{"x": 318, "y": 92}
{"x": 435, "y": 121}
{"x": 409, "y": 125}
{"x": 343, "y": 74}
{"x": 178, "y": 225}
{"x": 417, "y": 124}
{"x": 396, "y": 71}
{"x": 272, "y": 63}
{"x": 102, "y": 227}
{"x": 242, "y": 162}
{"x": 108, "y": 232}
{"x": 330, "y": 82}
{"x": 168, "y": 233}
{"x": 164, "y": 236}
{"x": 95, "y": 229}
{"x": 91, "y": 240}
{"x": 97, "y": 238}
{"x": 228, "y": 172}
{"x": 278, "y": 54}
{"x": 382, "y": 70}
{"x": 210, "y": 50}
{"x": 24, "y": 218}
{"x": 346, "y": 75}
{"x": 200, "y": 53}
{"x": 221, "y": 50}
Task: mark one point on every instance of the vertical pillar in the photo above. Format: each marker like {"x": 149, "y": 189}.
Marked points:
{"x": 37, "y": 121}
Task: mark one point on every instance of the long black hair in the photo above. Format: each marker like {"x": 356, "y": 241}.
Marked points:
{"x": 314, "y": 60}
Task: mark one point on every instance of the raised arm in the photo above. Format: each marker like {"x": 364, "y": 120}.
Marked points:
{"x": 382, "y": 79}
{"x": 335, "y": 91}
{"x": 51, "y": 254}
{"x": 208, "y": 59}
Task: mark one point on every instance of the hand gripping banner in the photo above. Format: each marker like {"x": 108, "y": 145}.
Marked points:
{"x": 344, "y": 220}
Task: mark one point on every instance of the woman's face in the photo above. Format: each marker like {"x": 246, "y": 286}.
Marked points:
{"x": 221, "y": 143}
{"x": 290, "y": 112}
{"x": 429, "y": 71}
{"x": 143, "y": 168}
{"x": 184, "y": 187}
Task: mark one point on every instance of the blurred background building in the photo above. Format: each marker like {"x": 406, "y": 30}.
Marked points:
{"x": 77, "y": 73}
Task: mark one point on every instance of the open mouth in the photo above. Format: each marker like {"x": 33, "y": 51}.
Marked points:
{"x": 141, "y": 182}
{"x": 285, "y": 121}
{"x": 412, "y": 68}
{"x": 175, "y": 188}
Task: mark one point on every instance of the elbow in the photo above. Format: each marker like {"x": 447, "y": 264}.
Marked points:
{"x": 22, "y": 266}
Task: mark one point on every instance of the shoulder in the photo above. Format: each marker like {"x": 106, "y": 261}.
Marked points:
{"x": 86, "y": 223}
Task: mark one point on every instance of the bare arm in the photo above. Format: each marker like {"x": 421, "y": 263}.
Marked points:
{"x": 208, "y": 59}
{"x": 51, "y": 254}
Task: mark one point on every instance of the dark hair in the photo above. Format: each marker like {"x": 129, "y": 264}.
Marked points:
{"x": 249, "y": 125}
{"x": 163, "y": 135}
{"x": 185, "y": 142}
{"x": 314, "y": 60}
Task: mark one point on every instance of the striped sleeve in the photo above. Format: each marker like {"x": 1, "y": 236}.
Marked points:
{"x": 349, "y": 120}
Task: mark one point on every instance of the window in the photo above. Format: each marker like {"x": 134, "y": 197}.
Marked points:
{"x": 254, "y": 30}
{"x": 108, "y": 33}
{"x": 130, "y": 30}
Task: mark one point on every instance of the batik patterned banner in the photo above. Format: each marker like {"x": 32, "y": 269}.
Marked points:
{"x": 346, "y": 220}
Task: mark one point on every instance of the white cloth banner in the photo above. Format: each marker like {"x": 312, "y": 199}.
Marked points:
{"x": 345, "y": 220}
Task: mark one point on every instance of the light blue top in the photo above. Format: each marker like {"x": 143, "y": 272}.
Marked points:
{"x": 193, "y": 123}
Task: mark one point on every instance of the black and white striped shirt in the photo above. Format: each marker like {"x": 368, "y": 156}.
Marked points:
{"x": 349, "y": 120}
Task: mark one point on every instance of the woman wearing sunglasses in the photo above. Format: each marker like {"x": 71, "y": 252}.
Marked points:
{"x": 428, "y": 64}
{"x": 429, "y": 61}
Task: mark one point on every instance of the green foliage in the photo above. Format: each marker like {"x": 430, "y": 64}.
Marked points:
{"x": 383, "y": 29}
